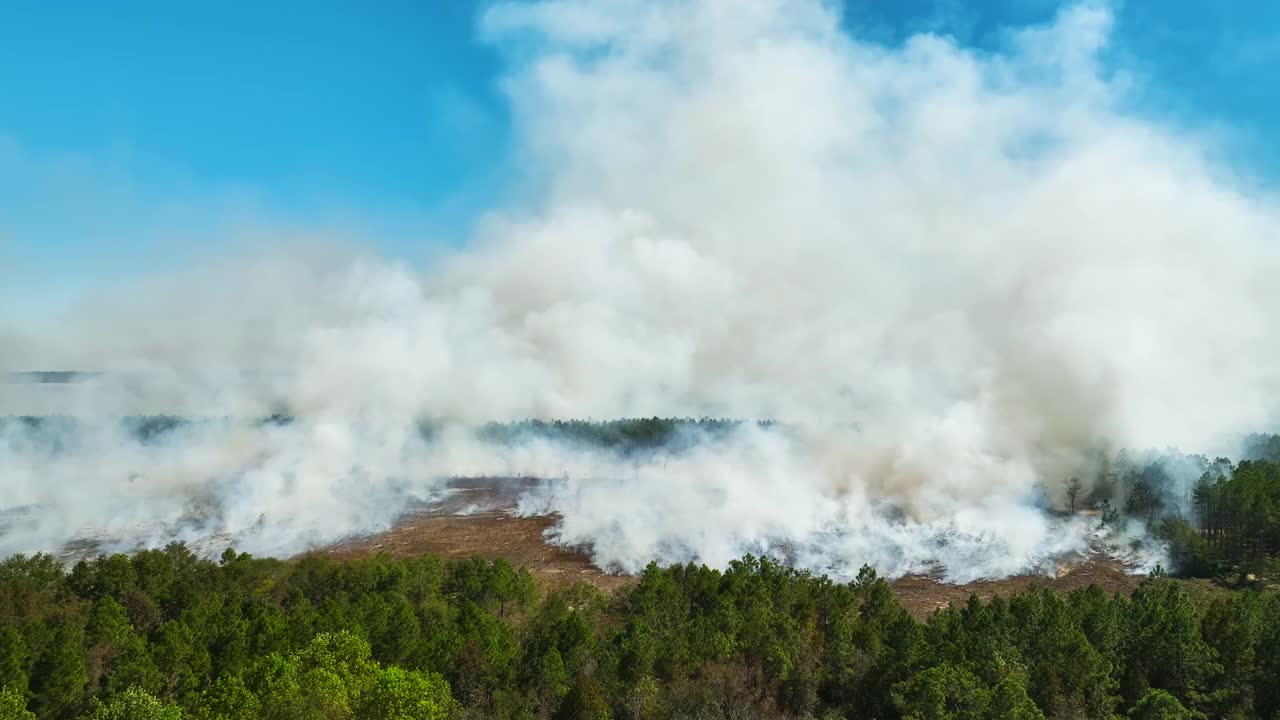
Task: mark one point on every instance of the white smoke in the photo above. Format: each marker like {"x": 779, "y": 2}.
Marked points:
{"x": 952, "y": 275}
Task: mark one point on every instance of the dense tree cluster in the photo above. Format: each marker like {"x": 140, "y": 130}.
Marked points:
{"x": 1217, "y": 518}
{"x": 163, "y": 634}
{"x": 1262, "y": 447}
{"x": 1235, "y": 521}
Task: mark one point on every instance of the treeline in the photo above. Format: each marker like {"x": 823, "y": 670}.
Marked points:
{"x": 142, "y": 428}
{"x": 624, "y": 435}
{"x": 1262, "y": 447}
{"x": 163, "y": 634}
{"x": 1235, "y": 522}
{"x": 1218, "y": 518}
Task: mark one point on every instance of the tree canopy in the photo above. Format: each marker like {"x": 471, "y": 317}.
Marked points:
{"x": 163, "y": 634}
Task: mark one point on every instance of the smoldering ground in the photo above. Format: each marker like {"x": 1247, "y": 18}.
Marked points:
{"x": 952, "y": 276}
{"x": 216, "y": 483}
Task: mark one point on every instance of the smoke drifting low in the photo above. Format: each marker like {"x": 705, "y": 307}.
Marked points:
{"x": 953, "y": 278}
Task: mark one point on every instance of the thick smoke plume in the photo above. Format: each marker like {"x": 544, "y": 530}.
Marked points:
{"x": 953, "y": 277}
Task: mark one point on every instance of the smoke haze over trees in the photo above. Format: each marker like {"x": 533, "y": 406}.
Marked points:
{"x": 955, "y": 278}
{"x": 927, "y": 309}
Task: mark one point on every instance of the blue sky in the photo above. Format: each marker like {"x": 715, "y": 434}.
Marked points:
{"x": 137, "y": 130}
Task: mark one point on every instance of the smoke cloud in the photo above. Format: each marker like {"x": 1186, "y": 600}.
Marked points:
{"x": 953, "y": 277}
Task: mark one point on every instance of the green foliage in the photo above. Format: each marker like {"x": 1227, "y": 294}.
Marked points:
{"x": 1165, "y": 647}
{"x": 326, "y": 679}
{"x": 135, "y": 704}
{"x": 944, "y": 692}
{"x": 13, "y": 705}
{"x": 1226, "y": 522}
{"x": 585, "y": 702}
{"x": 1010, "y": 701}
{"x": 13, "y": 661}
{"x": 1160, "y": 705}
{"x": 632, "y": 435}
{"x": 60, "y": 676}
{"x": 1191, "y": 553}
{"x": 399, "y": 694}
{"x": 1262, "y": 447}
{"x": 165, "y": 634}
{"x": 230, "y": 699}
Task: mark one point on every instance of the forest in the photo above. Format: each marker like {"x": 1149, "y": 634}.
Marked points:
{"x": 1219, "y": 520}
{"x": 165, "y": 634}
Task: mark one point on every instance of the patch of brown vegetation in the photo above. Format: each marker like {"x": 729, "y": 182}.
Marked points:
{"x": 493, "y": 534}
{"x": 921, "y": 595}
{"x": 490, "y": 535}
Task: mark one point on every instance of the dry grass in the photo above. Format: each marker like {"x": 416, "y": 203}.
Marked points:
{"x": 922, "y": 595}
{"x": 490, "y": 535}
{"x": 490, "y": 531}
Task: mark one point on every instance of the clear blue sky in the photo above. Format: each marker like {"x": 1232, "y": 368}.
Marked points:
{"x": 122, "y": 122}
